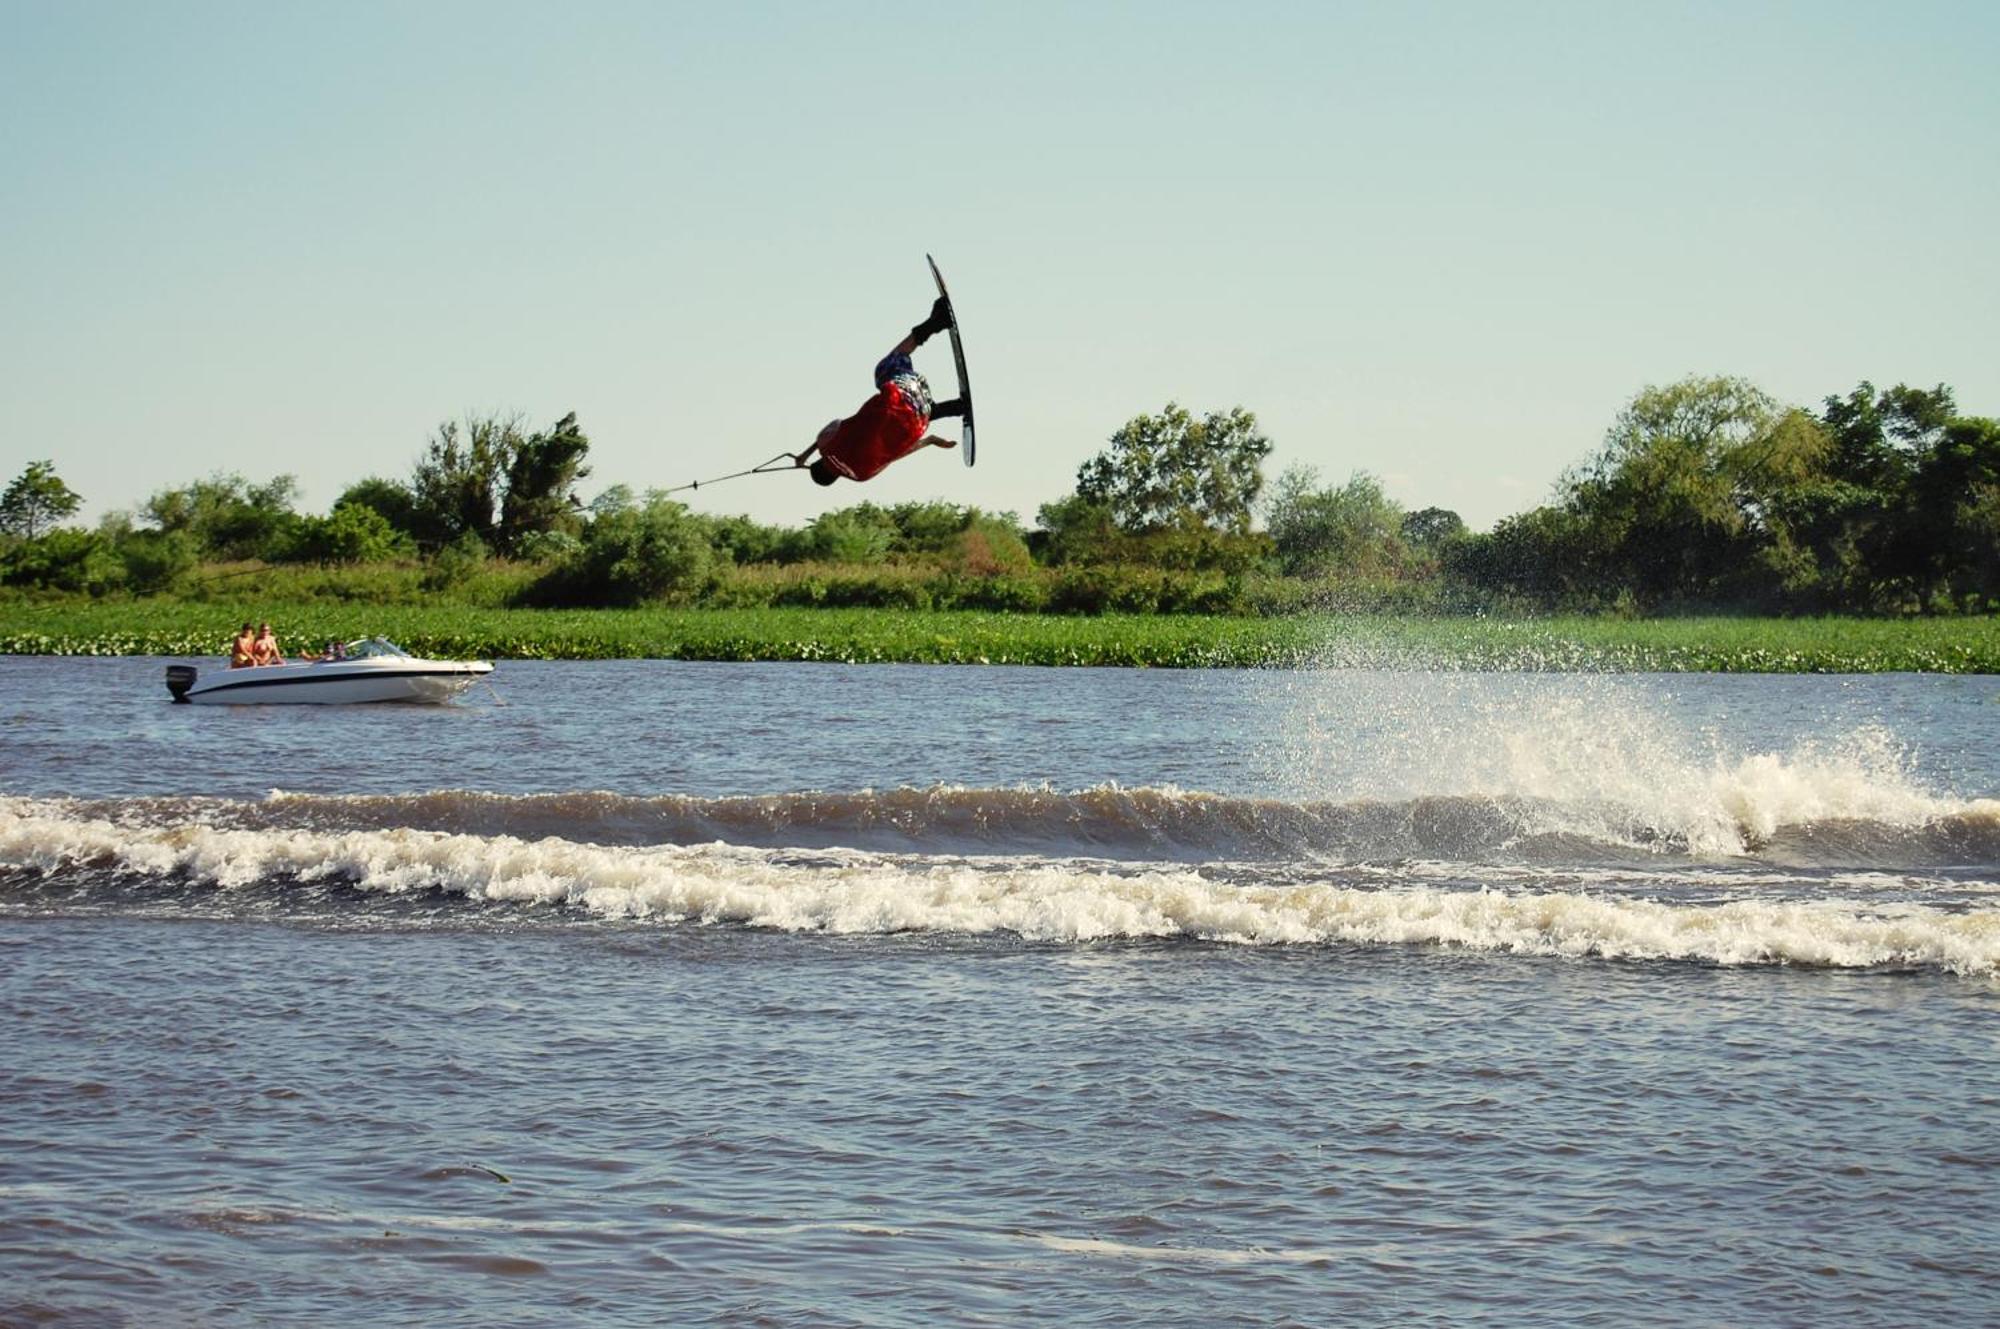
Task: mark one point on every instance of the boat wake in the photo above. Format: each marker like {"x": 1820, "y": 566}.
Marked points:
{"x": 1041, "y": 865}
{"x": 1761, "y": 812}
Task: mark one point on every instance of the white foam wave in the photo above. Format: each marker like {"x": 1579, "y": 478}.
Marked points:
{"x": 1864, "y": 778}
{"x": 1605, "y": 765}
{"x": 1038, "y": 899}
{"x": 1190, "y": 1255}
{"x": 1850, "y": 805}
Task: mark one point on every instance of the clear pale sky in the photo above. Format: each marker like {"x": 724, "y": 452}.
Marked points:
{"x": 1440, "y": 242}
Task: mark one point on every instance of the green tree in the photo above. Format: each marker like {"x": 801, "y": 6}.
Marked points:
{"x": 1669, "y": 496}
{"x": 541, "y": 485}
{"x": 227, "y": 516}
{"x": 617, "y": 498}
{"x": 740, "y": 540}
{"x": 1171, "y": 469}
{"x": 485, "y": 477}
{"x": 1978, "y": 524}
{"x": 1548, "y": 555}
{"x": 391, "y": 498}
{"x": 1354, "y": 529}
{"x": 1817, "y": 556}
{"x": 63, "y": 559}
{"x": 1874, "y": 530}
{"x": 1952, "y": 513}
{"x": 155, "y": 560}
{"x": 1076, "y": 529}
{"x": 1431, "y": 529}
{"x": 658, "y": 552}
{"x": 454, "y": 564}
{"x": 351, "y": 533}
{"x": 548, "y": 547}
{"x": 863, "y": 533}
{"x": 460, "y": 477}
{"x": 929, "y": 528}
{"x": 36, "y": 500}
{"x": 1879, "y": 436}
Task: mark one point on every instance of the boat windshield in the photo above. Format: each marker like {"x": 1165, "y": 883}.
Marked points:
{"x": 375, "y": 647}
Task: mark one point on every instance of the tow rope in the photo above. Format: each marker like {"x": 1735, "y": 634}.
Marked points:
{"x": 771, "y": 467}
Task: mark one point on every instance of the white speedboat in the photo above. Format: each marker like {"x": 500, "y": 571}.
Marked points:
{"x": 374, "y": 669}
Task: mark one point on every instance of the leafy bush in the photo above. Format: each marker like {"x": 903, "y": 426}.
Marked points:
{"x": 890, "y": 586}
{"x": 861, "y": 534}
{"x": 549, "y": 547}
{"x": 989, "y": 547}
{"x": 396, "y": 502}
{"x": 64, "y": 559}
{"x": 455, "y": 563}
{"x": 351, "y": 533}
{"x": 1354, "y": 528}
{"x": 228, "y": 517}
{"x": 1025, "y": 593}
{"x": 1076, "y": 531}
{"x": 655, "y": 553}
{"x": 740, "y": 540}
{"x": 156, "y": 560}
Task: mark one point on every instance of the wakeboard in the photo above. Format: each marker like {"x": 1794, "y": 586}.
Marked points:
{"x": 958, "y": 358}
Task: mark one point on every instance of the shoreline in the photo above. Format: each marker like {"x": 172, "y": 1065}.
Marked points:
{"x": 877, "y": 636}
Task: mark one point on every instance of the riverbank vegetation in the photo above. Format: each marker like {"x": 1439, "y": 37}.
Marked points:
{"x": 1706, "y": 497}
{"x": 1963, "y": 644}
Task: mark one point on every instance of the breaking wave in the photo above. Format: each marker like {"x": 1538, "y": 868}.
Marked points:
{"x": 392, "y": 860}
{"x": 1764, "y": 810}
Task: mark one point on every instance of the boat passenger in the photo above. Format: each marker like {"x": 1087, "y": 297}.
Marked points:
{"x": 243, "y": 651}
{"x": 265, "y": 650}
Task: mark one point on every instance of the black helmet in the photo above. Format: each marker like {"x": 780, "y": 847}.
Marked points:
{"x": 823, "y": 472}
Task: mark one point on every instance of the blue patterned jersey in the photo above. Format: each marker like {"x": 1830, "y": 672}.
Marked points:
{"x": 896, "y": 368}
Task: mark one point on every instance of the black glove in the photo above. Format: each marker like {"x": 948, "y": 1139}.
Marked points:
{"x": 939, "y": 320}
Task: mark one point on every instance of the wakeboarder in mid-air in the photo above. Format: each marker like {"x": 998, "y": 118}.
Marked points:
{"x": 890, "y": 425}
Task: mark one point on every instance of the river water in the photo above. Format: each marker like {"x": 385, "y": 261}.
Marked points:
{"x": 667, "y": 993}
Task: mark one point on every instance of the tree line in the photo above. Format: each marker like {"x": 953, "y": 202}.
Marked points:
{"x": 1707, "y": 492}
{"x": 1704, "y": 494}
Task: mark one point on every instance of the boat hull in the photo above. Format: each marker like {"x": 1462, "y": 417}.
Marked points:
{"x": 329, "y": 683}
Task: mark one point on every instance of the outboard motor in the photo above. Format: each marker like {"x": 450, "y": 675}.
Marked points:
{"x": 179, "y": 679}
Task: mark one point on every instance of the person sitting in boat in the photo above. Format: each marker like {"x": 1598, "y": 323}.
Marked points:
{"x": 264, "y": 651}
{"x": 890, "y": 425}
{"x": 243, "y": 651}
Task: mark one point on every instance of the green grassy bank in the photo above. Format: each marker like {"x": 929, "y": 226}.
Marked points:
{"x": 1735, "y": 645}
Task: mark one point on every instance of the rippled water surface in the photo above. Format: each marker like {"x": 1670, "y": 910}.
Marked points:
{"x": 667, "y": 993}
